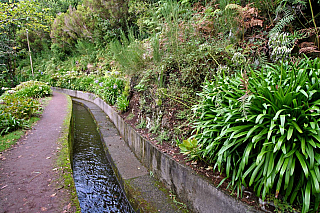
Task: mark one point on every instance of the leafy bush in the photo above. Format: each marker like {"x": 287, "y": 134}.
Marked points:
{"x": 70, "y": 26}
{"x": 9, "y": 123}
{"x": 122, "y": 103}
{"x": 33, "y": 89}
{"x": 18, "y": 106}
{"x": 84, "y": 83}
{"x": 64, "y": 79}
{"x": 129, "y": 53}
{"x": 189, "y": 147}
{"x": 109, "y": 88}
{"x": 263, "y": 130}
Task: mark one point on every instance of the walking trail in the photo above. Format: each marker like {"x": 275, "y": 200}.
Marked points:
{"x": 28, "y": 177}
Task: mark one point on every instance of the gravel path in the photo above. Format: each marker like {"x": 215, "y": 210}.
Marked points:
{"x": 28, "y": 178}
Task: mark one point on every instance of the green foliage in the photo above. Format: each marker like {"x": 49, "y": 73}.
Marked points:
{"x": 114, "y": 10}
{"x": 163, "y": 136}
{"x": 59, "y": 6}
{"x": 142, "y": 124}
{"x": 33, "y": 89}
{"x": 129, "y": 53}
{"x": 190, "y": 147}
{"x": 83, "y": 83}
{"x": 109, "y": 89}
{"x": 70, "y": 26}
{"x": 94, "y": 21}
{"x": 15, "y": 18}
{"x": 9, "y": 123}
{"x": 122, "y": 103}
{"x": 262, "y": 130}
{"x": 19, "y": 104}
{"x": 67, "y": 79}
{"x": 286, "y": 20}
{"x": 28, "y": 13}
{"x": 7, "y": 140}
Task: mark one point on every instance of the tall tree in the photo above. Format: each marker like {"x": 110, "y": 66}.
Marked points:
{"x": 18, "y": 16}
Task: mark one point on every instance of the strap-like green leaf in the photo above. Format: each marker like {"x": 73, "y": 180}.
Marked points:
{"x": 316, "y": 137}
{"x": 272, "y": 125}
{"x": 306, "y": 203}
{"x": 317, "y": 171}
{"x": 315, "y": 181}
{"x": 311, "y": 142}
{"x": 259, "y": 117}
{"x": 260, "y": 156}
{"x": 303, "y": 145}
{"x": 247, "y": 152}
{"x": 310, "y": 153}
{"x": 271, "y": 164}
{"x": 284, "y": 166}
{"x": 290, "y": 187}
{"x": 248, "y": 172}
{"x": 289, "y": 133}
{"x": 279, "y": 164}
{"x": 256, "y": 138}
{"x": 293, "y": 150}
{"x": 304, "y": 93}
{"x": 277, "y": 114}
{"x": 252, "y": 130}
{"x": 287, "y": 175}
{"x": 296, "y": 126}
{"x": 255, "y": 172}
{"x": 303, "y": 164}
{"x": 279, "y": 143}
{"x": 282, "y": 120}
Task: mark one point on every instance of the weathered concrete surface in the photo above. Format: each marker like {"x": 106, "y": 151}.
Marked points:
{"x": 140, "y": 187}
{"x": 193, "y": 190}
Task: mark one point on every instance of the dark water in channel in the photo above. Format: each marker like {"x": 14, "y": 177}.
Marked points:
{"x": 97, "y": 187}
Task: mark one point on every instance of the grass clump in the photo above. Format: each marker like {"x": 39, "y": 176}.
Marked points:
{"x": 262, "y": 129}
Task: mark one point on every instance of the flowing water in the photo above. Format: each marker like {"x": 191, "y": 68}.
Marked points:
{"x": 97, "y": 187}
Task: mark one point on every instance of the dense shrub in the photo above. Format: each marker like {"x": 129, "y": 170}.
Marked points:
{"x": 262, "y": 130}
{"x": 109, "y": 87}
{"x": 33, "y": 89}
{"x": 19, "y": 104}
{"x": 70, "y": 26}
{"x": 9, "y": 123}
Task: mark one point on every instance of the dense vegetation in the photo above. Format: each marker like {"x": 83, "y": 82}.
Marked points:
{"x": 232, "y": 83}
{"x": 19, "y": 104}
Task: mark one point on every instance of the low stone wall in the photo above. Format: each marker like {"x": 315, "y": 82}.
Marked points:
{"x": 195, "y": 191}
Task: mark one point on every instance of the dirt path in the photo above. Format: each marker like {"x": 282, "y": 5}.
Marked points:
{"x": 27, "y": 174}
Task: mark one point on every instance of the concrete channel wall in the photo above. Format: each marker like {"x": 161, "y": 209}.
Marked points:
{"x": 195, "y": 191}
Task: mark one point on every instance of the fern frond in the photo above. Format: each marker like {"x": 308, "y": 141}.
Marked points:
{"x": 233, "y": 6}
{"x": 282, "y": 23}
{"x": 284, "y": 15}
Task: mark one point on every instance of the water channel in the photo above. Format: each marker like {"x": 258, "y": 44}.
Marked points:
{"x": 97, "y": 187}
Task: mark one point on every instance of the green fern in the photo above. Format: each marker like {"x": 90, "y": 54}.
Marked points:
{"x": 287, "y": 18}
{"x": 282, "y": 23}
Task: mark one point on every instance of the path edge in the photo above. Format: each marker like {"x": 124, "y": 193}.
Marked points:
{"x": 63, "y": 162}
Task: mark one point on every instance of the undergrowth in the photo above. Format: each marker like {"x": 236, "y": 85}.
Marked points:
{"x": 261, "y": 129}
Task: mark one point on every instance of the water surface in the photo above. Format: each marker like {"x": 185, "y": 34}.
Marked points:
{"x": 97, "y": 187}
